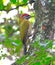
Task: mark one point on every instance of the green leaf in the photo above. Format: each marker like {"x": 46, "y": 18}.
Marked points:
{"x": 0, "y": 57}
{"x": 3, "y": 56}
{"x": 37, "y": 63}
{"x": 53, "y": 58}
{"x": 13, "y": 1}
{"x": 35, "y": 44}
{"x": 8, "y": 30}
{"x": 50, "y": 43}
{"x": 48, "y": 60}
{"x": 17, "y": 2}
{"x": 18, "y": 42}
{"x": 8, "y": 43}
{"x": 21, "y": 60}
{"x": 0, "y": 42}
{"x": 25, "y": 1}
{"x": 1, "y": 5}
{"x": 31, "y": 60}
{"x": 18, "y": 45}
{"x": 8, "y": 7}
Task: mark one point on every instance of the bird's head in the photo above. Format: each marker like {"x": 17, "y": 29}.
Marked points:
{"x": 26, "y": 16}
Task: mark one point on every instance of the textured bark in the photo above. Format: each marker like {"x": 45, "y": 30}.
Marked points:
{"x": 44, "y": 15}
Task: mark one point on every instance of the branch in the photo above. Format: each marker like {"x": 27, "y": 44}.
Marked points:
{"x": 16, "y": 7}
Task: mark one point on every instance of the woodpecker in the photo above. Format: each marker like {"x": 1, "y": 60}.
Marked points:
{"x": 24, "y": 29}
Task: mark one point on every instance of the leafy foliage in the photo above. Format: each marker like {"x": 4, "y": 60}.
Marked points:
{"x": 40, "y": 56}
{"x": 8, "y": 6}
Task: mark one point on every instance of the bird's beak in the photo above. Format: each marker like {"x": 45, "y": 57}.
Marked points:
{"x": 28, "y": 17}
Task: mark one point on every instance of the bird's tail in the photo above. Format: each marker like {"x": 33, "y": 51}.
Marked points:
{"x": 25, "y": 46}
